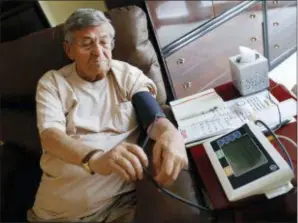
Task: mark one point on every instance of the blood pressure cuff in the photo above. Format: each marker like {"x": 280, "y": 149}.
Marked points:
{"x": 147, "y": 108}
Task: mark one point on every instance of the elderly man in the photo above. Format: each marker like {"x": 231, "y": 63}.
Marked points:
{"x": 88, "y": 130}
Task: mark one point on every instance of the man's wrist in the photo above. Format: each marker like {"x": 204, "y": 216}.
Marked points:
{"x": 158, "y": 127}
{"x": 87, "y": 158}
{"x": 93, "y": 161}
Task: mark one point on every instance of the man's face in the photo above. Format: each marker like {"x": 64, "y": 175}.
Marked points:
{"x": 91, "y": 51}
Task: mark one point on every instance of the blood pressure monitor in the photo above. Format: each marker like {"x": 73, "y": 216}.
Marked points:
{"x": 247, "y": 164}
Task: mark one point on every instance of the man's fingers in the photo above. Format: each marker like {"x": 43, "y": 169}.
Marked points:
{"x": 165, "y": 175}
{"x": 126, "y": 165}
{"x": 176, "y": 170}
{"x": 122, "y": 172}
{"x": 135, "y": 162}
{"x": 138, "y": 151}
{"x": 157, "y": 157}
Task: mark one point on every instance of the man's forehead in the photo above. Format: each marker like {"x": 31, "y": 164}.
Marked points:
{"x": 101, "y": 31}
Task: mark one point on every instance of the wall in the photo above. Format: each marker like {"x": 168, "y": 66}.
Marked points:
{"x": 58, "y": 11}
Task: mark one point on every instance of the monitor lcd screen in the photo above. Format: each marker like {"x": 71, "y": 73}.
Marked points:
{"x": 243, "y": 155}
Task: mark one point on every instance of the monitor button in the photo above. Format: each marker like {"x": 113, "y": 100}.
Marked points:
{"x": 220, "y": 142}
{"x": 219, "y": 154}
{"x": 237, "y": 134}
{"x": 228, "y": 170}
{"x": 273, "y": 167}
{"x": 226, "y": 139}
{"x": 231, "y": 137}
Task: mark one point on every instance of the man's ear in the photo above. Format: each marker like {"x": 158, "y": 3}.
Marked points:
{"x": 67, "y": 49}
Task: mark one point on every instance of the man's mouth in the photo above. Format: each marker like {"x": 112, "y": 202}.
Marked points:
{"x": 99, "y": 62}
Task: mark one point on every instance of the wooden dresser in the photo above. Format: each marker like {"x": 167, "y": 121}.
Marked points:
{"x": 197, "y": 37}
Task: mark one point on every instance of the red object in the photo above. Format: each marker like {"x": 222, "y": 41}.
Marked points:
{"x": 204, "y": 167}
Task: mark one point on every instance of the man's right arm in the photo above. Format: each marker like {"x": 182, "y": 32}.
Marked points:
{"x": 125, "y": 159}
{"x": 51, "y": 122}
{"x": 62, "y": 146}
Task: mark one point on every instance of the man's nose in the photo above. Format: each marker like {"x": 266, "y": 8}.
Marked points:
{"x": 97, "y": 50}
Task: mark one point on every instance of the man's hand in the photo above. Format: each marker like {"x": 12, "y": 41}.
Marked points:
{"x": 125, "y": 159}
{"x": 169, "y": 155}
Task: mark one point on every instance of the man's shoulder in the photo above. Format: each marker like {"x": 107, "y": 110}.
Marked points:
{"x": 122, "y": 68}
{"x": 61, "y": 73}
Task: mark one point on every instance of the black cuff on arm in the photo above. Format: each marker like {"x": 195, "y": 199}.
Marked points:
{"x": 147, "y": 108}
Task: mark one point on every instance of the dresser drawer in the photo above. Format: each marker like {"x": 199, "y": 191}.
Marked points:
{"x": 282, "y": 18}
{"x": 203, "y": 63}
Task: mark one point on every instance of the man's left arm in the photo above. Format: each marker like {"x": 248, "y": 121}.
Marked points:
{"x": 169, "y": 153}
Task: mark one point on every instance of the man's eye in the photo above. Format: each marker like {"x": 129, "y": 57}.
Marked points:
{"x": 106, "y": 44}
{"x": 87, "y": 43}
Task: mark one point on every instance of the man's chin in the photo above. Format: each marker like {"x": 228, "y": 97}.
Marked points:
{"x": 100, "y": 74}
{"x": 99, "y": 71}
{"x": 100, "y": 77}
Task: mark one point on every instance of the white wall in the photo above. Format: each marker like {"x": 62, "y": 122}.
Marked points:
{"x": 58, "y": 11}
{"x": 286, "y": 72}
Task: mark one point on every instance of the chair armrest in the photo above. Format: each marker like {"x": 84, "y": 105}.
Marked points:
{"x": 155, "y": 206}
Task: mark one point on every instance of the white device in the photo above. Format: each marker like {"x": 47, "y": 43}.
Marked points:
{"x": 249, "y": 77}
{"x": 247, "y": 164}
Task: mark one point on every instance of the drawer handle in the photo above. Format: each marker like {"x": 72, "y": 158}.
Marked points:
{"x": 180, "y": 61}
{"x": 276, "y": 24}
{"x": 252, "y": 16}
{"x": 253, "y": 39}
{"x": 186, "y": 85}
{"x": 1, "y": 143}
{"x": 276, "y": 46}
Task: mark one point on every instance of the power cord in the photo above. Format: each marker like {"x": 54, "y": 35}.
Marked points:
{"x": 279, "y": 142}
{"x": 288, "y": 139}
{"x": 189, "y": 171}
{"x": 279, "y": 113}
{"x": 161, "y": 188}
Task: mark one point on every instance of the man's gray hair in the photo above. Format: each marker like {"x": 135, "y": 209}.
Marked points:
{"x": 82, "y": 18}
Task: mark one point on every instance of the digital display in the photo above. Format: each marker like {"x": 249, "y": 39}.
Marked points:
{"x": 243, "y": 155}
